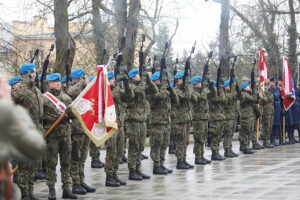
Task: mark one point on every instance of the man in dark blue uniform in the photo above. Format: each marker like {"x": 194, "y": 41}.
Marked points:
{"x": 276, "y": 129}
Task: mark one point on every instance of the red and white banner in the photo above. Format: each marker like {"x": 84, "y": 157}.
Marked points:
{"x": 60, "y": 106}
{"x": 262, "y": 66}
{"x": 287, "y": 90}
{"x": 95, "y": 109}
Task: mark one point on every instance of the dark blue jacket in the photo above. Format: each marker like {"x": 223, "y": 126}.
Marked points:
{"x": 277, "y": 106}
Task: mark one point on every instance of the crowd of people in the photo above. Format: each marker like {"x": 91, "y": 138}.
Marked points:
{"x": 146, "y": 104}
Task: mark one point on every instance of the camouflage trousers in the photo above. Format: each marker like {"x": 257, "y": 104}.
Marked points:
{"x": 247, "y": 128}
{"x": 216, "y": 130}
{"x": 253, "y": 136}
{"x": 80, "y": 148}
{"x": 58, "y": 146}
{"x": 94, "y": 152}
{"x": 267, "y": 122}
{"x": 229, "y": 128}
{"x": 26, "y": 175}
{"x": 136, "y": 133}
{"x": 159, "y": 142}
{"x": 114, "y": 151}
{"x": 200, "y": 130}
{"x": 172, "y": 135}
{"x": 182, "y": 136}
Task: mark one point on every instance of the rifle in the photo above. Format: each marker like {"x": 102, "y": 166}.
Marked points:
{"x": 68, "y": 71}
{"x": 163, "y": 63}
{"x": 175, "y": 69}
{"x": 36, "y": 53}
{"x": 253, "y": 75}
{"x": 219, "y": 71}
{"x": 119, "y": 57}
{"x": 45, "y": 67}
{"x": 153, "y": 65}
{"x": 205, "y": 69}
{"x": 232, "y": 75}
{"x": 187, "y": 66}
{"x": 141, "y": 56}
{"x": 102, "y": 56}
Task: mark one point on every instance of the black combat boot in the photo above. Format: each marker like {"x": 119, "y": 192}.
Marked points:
{"x": 78, "y": 189}
{"x": 144, "y": 157}
{"x": 111, "y": 182}
{"x": 124, "y": 159}
{"x": 171, "y": 150}
{"x": 267, "y": 144}
{"x": 200, "y": 162}
{"x": 207, "y": 161}
{"x": 97, "y": 164}
{"x": 181, "y": 165}
{"x": 248, "y": 151}
{"x": 256, "y": 146}
{"x": 242, "y": 148}
{"x": 88, "y": 189}
{"x": 159, "y": 171}
{"x": 144, "y": 176}
{"x": 169, "y": 171}
{"x": 234, "y": 154}
{"x": 52, "y": 194}
{"x": 116, "y": 177}
{"x": 189, "y": 165}
{"x": 40, "y": 175}
{"x": 133, "y": 175}
{"x": 67, "y": 194}
{"x": 228, "y": 154}
{"x": 216, "y": 156}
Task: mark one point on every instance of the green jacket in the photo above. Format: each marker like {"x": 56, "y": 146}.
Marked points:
{"x": 183, "y": 110}
{"x": 248, "y": 100}
{"x": 51, "y": 114}
{"x": 230, "y": 107}
{"x": 200, "y": 104}
{"x": 267, "y": 102}
{"x": 216, "y": 105}
{"x": 160, "y": 104}
{"x": 136, "y": 108}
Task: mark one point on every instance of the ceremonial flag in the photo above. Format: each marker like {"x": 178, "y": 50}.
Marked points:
{"x": 287, "y": 90}
{"x": 95, "y": 109}
{"x": 262, "y": 66}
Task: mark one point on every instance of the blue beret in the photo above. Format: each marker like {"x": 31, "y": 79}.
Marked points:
{"x": 91, "y": 78}
{"x": 196, "y": 80}
{"x": 226, "y": 83}
{"x": 244, "y": 84}
{"x": 14, "y": 80}
{"x": 53, "y": 77}
{"x": 77, "y": 73}
{"x": 133, "y": 72}
{"x": 27, "y": 68}
{"x": 215, "y": 83}
{"x": 172, "y": 84}
{"x": 179, "y": 75}
{"x": 64, "y": 79}
{"x": 155, "y": 76}
{"x": 111, "y": 75}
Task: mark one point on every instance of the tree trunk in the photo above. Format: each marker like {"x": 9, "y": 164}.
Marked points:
{"x": 99, "y": 33}
{"x": 224, "y": 42}
{"x": 121, "y": 18}
{"x": 63, "y": 39}
{"x": 292, "y": 42}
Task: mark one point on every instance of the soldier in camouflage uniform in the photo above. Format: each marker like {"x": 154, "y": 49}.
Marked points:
{"x": 200, "y": 120}
{"x": 231, "y": 114}
{"x": 136, "y": 123}
{"x": 172, "y": 146}
{"x": 267, "y": 116}
{"x": 183, "y": 121}
{"x": 248, "y": 99}
{"x": 59, "y": 141}
{"x": 216, "y": 101}
{"x": 160, "y": 121}
{"x": 30, "y": 97}
{"x": 257, "y": 111}
{"x": 80, "y": 141}
{"x": 115, "y": 144}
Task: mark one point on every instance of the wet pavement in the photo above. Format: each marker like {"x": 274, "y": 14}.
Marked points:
{"x": 267, "y": 174}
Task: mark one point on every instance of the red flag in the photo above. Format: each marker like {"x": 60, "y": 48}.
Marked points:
{"x": 262, "y": 66}
{"x": 287, "y": 90}
{"x": 95, "y": 109}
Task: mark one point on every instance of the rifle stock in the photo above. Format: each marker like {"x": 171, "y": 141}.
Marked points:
{"x": 45, "y": 67}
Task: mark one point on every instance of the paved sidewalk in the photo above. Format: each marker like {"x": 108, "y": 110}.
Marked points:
{"x": 267, "y": 174}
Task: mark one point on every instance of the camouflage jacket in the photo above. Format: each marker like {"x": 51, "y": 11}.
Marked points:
{"x": 73, "y": 91}
{"x": 121, "y": 97}
{"x": 200, "y": 104}
{"x": 160, "y": 104}
{"x": 183, "y": 110}
{"x": 51, "y": 114}
{"x": 216, "y": 105}
{"x": 30, "y": 97}
{"x": 267, "y": 102}
{"x": 247, "y": 102}
{"x": 136, "y": 108}
{"x": 230, "y": 107}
